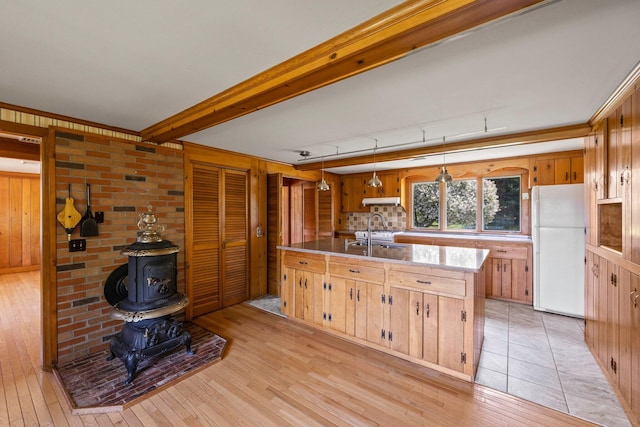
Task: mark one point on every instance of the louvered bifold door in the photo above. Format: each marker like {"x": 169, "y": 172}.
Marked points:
{"x": 203, "y": 274}
{"x": 235, "y": 276}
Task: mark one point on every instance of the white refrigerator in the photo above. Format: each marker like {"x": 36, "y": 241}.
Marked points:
{"x": 557, "y": 217}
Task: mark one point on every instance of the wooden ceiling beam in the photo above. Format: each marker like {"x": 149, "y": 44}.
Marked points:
{"x": 544, "y": 135}
{"x": 378, "y": 41}
{"x": 12, "y": 149}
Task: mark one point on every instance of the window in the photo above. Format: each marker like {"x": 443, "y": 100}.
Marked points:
{"x": 497, "y": 198}
{"x": 426, "y": 205}
{"x": 501, "y": 204}
{"x": 462, "y": 205}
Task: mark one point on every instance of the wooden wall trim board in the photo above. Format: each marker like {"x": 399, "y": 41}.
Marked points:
{"x": 48, "y": 288}
{"x": 380, "y": 40}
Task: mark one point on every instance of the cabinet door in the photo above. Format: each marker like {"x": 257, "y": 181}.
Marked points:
{"x": 635, "y": 345}
{"x": 577, "y": 170}
{"x": 336, "y": 296}
{"x": 544, "y": 172}
{"x": 314, "y": 298}
{"x": 430, "y": 328}
{"x": 589, "y": 299}
{"x": 613, "y": 307}
{"x": 601, "y": 312}
{"x": 406, "y": 322}
{"x": 633, "y": 226}
{"x": 613, "y": 153}
{"x": 390, "y": 185}
{"x": 496, "y": 277}
{"x": 361, "y": 330}
{"x": 399, "y": 300}
{"x": 625, "y": 333}
{"x": 375, "y": 312}
{"x": 563, "y": 170}
{"x": 350, "y": 309}
{"x": 600, "y": 144}
{"x": 299, "y": 281}
{"x": 520, "y": 280}
{"x": 287, "y": 301}
{"x": 451, "y": 333}
{"x": 506, "y": 278}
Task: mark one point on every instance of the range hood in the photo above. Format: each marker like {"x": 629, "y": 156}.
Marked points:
{"x": 369, "y": 201}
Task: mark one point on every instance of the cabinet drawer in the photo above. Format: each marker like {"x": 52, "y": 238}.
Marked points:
{"x": 307, "y": 262}
{"x": 511, "y": 252}
{"x": 357, "y": 271}
{"x": 427, "y": 283}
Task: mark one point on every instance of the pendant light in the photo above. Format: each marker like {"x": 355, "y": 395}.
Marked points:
{"x": 444, "y": 175}
{"x": 374, "y": 181}
{"x": 322, "y": 185}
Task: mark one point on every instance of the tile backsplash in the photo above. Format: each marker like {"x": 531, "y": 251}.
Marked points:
{"x": 395, "y": 216}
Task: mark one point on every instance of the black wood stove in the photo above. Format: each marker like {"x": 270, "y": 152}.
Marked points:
{"x": 144, "y": 294}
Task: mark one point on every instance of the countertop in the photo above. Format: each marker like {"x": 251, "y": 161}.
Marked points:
{"x": 445, "y": 257}
{"x": 462, "y": 236}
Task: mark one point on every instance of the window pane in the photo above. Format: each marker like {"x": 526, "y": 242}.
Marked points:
{"x": 501, "y": 204}
{"x": 426, "y": 205}
{"x": 461, "y": 205}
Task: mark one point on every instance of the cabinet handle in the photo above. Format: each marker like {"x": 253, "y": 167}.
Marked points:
{"x": 354, "y": 271}
{"x": 566, "y": 176}
{"x": 426, "y": 310}
{"x": 635, "y": 301}
{"x": 351, "y": 294}
{"x": 358, "y": 295}
{"x": 302, "y": 262}
{"x": 635, "y": 291}
{"x": 504, "y": 267}
{"x": 417, "y": 309}
{"x": 300, "y": 283}
{"x": 502, "y": 251}
{"x": 423, "y": 282}
{"x": 305, "y": 283}
{"x": 575, "y": 176}
{"x": 498, "y": 269}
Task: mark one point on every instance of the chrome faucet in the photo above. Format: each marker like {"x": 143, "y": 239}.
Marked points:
{"x": 384, "y": 224}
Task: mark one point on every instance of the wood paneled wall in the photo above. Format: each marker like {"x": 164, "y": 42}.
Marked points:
{"x": 19, "y": 222}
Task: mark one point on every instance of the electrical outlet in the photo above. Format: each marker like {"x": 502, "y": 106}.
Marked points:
{"x": 77, "y": 245}
{"x": 99, "y": 217}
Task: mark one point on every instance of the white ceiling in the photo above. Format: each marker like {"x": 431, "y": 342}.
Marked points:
{"x": 131, "y": 64}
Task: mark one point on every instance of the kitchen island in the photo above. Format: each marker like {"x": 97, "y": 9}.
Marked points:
{"x": 422, "y": 303}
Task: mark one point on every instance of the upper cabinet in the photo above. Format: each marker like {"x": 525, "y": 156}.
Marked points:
{"x": 568, "y": 169}
{"x": 355, "y": 187}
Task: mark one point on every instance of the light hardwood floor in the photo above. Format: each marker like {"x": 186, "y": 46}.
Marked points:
{"x": 274, "y": 372}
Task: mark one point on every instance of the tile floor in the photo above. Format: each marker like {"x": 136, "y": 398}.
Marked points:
{"x": 542, "y": 357}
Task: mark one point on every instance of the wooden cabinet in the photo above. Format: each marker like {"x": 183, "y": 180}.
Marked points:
{"x": 427, "y": 317}
{"x": 508, "y": 272}
{"x": 634, "y": 343}
{"x": 390, "y": 186}
{"x": 569, "y": 170}
{"x": 303, "y": 286}
{"x": 362, "y": 288}
{"x": 430, "y": 316}
{"x": 355, "y": 188}
{"x": 544, "y": 172}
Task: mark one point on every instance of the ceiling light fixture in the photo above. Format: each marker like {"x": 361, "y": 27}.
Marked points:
{"x": 322, "y": 185}
{"x": 374, "y": 181}
{"x": 444, "y": 175}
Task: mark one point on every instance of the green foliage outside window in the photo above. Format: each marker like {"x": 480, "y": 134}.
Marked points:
{"x": 500, "y": 204}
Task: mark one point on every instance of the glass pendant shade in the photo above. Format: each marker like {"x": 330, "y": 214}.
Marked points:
{"x": 374, "y": 181}
{"x": 444, "y": 176}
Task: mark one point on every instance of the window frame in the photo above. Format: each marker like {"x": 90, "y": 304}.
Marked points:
{"x": 522, "y": 173}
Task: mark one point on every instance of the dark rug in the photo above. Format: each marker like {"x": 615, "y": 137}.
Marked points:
{"x": 95, "y": 384}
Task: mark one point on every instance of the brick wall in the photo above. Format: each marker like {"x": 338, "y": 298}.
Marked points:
{"x": 125, "y": 177}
